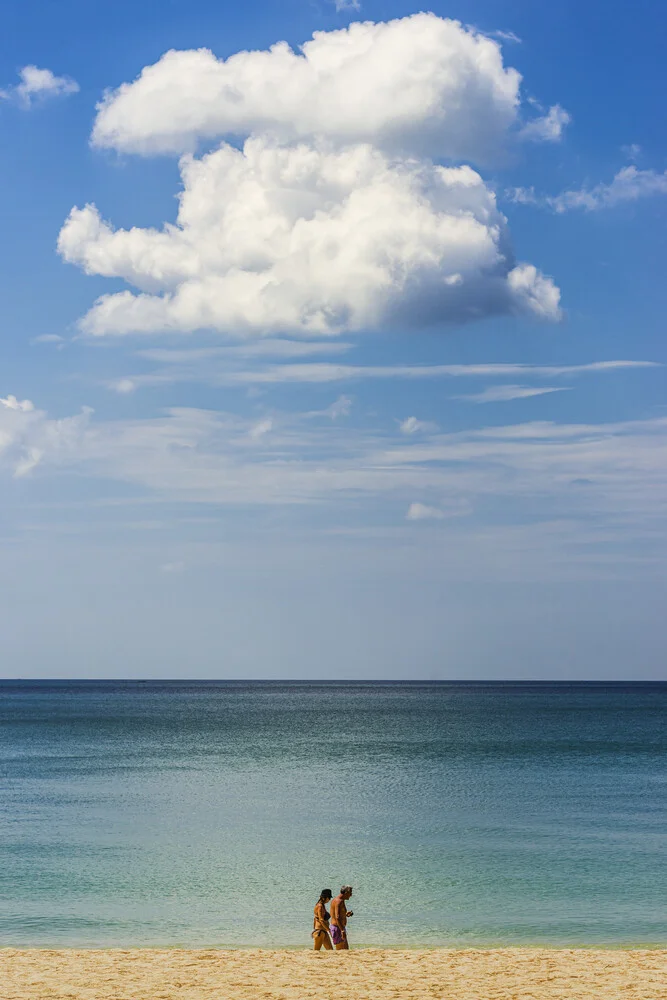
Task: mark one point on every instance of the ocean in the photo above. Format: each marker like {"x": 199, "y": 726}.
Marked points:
{"x": 213, "y": 813}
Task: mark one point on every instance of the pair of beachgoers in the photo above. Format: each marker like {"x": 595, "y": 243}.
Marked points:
{"x": 330, "y": 929}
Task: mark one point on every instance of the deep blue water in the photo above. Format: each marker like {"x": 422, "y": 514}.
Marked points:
{"x": 213, "y": 813}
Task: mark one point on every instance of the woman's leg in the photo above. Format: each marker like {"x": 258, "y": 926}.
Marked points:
{"x": 322, "y": 940}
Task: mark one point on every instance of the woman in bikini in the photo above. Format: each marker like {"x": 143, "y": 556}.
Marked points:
{"x": 321, "y": 938}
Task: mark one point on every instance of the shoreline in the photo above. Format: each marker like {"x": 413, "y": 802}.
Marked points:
{"x": 647, "y": 946}
{"x": 523, "y": 973}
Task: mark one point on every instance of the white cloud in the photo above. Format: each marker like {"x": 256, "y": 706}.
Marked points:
{"x": 412, "y": 426}
{"x": 422, "y": 512}
{"x": 632, "y": 151}
{"x": 505, "y": 393}
{"x": 48, "y": 338}
{"x": 340, "y": 407}
{"x": 123, "y": 386}
{"x": 329, "y": 219}
{"x": 201, "y": 369}
{"x": 613, "y": 475}
{"x": 39, "y": 84}
{"x": 270, "y": 347}
{"x": 629, "y": 184}
{"x": 311, "y": 240}
{"x": 320, "y": 372}
{"x": 420, "y": 83}
{"x": 12, "y": 403}
{"x": 172, "y": 567}
{"x": 342, "y": 5}
{"x": 28, "y": 437}
{"x": 548, "y": 128}
{"x": 524, "y": 196}
{"x": 505, "y": 36}
{"x": 258, "y": 430}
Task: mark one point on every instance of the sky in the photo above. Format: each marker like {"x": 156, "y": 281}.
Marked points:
{"x": 333, "y": 340}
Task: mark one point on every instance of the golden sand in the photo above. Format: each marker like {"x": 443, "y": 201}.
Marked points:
{"x": 365, "y": 974}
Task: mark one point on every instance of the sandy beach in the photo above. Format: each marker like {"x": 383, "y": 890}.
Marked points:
{"x": 365, "y": 974}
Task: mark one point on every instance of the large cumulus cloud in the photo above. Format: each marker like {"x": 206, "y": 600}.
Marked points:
{"x": 330, "y": 218}
{"x": 276, "y": 238}
{"x": 420, "y": 83}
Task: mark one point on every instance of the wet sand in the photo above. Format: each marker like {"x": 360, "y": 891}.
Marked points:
{"x": 365, "y": 974}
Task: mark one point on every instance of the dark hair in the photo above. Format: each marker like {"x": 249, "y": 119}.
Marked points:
{"x": 326, "y": 894}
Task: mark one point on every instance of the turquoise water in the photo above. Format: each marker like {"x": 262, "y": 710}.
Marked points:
{"x": 213, "y": 813}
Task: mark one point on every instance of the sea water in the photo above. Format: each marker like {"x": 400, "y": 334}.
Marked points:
{"x": 206, "y": 813}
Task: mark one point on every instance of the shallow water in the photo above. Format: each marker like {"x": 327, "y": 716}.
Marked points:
{"x": 213, "y": 813}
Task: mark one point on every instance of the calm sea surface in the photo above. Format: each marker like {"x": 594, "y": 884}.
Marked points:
{"x": 213, "y": 813}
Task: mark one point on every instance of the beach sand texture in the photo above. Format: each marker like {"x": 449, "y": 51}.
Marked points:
{"x": 366, "y": 974}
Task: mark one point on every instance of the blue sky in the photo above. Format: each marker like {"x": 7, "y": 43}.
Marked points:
{"x": 386, "y": 398}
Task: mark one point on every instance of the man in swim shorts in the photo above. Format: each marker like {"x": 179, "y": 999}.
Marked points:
{"x": 339, "y": 915}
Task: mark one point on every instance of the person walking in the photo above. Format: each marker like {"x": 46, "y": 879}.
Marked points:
{"x": 339, "y": 918}
{"x": 321, "y": 936}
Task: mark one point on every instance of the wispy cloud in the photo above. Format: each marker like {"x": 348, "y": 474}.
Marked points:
{"x": 505, "y": 393}
{"x": 28, "y": 437}
{"x": 340, "y": 407}
{"x": 603, "y": 483}
{"x": 205, "y": 456}
{"x": 411, "y": 425}
{"x": 422, "y": 512}
{"x": 632, "y": 151}
{"x": 505, "y": 36}
{"x": 325, "y": 372}
{"x": 172, "y": 567}
{"x": 49, "y": 338}
{"x": 271, "y": 347}
{"x": 261, "y": 428}
{"x": 629, "y": 184}
{"x": 317, "y": 373}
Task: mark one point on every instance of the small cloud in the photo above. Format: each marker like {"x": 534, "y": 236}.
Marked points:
{"x": 39, "y": 84}
{"x": 48, "y": 338}
{"x": 172, "y": 567}
{"x": 548, "y": 128}
{"x": 339, "y": 408}
{"x": 31, "y": 459}
{"x": 260, "y": 429}
{"x": 421, "y": 512}
{"x": 456, "y": 507}
{"x": 342, "y": 5}
{"x": 505, "y": 36}
{"x": 412, "y": 426}
{"x": 12, "y": 403}
{"x": 504, "y": 393}
{"x": 632, "y": 152}
{"x": 124, "y": 386}
{"x": 523, "y": 196}
{"x": 629, "y": 184}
